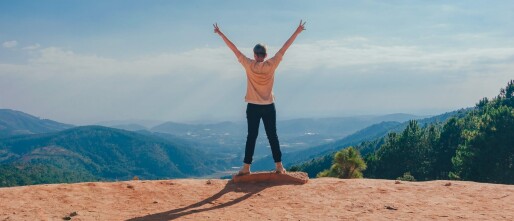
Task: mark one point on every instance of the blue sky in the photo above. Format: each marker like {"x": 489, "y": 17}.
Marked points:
{"x": 88, "y": 61}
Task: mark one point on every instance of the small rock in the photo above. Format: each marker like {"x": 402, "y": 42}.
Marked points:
{"x": 130, "y": 186}
{"x": 66, "y": 218}
{"x": 73, "y": 214}
{"x": 155, "y": 202}
{"x": 448, "y": 184}
{"x": 397, "y": 182}
{"x": 209, "y": 182}
{"x": 391, "y": 208}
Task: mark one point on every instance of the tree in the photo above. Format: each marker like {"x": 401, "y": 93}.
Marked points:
{"x": 445, "y": 149}
{"x": 488, "y": 155}
{"x": 408, "y": 151}
{"x": 347, "y": 164}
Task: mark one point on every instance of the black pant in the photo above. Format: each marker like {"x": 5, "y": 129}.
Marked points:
{"x": 254, "y": 113}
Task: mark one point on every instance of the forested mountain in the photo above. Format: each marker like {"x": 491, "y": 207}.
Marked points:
{"x": 14, "y": 122}
{"x": 317, "y": 159}
{"x": 369, "y": 133}
{"x": 96, "y": 152}
{"x": 477, "y": 146}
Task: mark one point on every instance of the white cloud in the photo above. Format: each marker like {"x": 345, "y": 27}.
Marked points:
{"x": 209, "y": 82}
{"x": 329, "y": 54}
{"x": 32, "y": 47}
{"x": 341, "y": 54}
{"x": 10, "y": 44}
{"x": 58, "y": 61}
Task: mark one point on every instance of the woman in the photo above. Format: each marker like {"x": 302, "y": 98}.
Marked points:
{"x": 259, "y": 96}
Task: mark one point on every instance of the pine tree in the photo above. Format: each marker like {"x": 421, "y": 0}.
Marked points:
{"x": 348, "y": 164}
{"x": 445, "y": 149}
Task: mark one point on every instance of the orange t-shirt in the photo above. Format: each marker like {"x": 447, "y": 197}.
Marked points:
{"x": 260, "y": 77}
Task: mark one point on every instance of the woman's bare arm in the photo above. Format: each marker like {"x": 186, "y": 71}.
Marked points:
{"x": 226, "y": 40}
{"x": 290, "y": 41}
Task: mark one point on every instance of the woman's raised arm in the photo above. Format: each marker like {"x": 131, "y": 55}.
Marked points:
{"x": 226, "y": 40}
{"x": 290, "y": 41}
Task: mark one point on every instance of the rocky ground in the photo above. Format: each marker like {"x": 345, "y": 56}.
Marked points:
{"x": 202, "y": 199}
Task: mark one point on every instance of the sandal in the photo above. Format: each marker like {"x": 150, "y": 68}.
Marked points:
{"x": 283, "y": 171}
{"x": 241, "y": 173}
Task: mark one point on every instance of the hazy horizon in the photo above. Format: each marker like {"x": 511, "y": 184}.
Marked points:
{"x": 152, "y": 122}
{"x": 145, "y": 122}
{"x": 88, "y": 62}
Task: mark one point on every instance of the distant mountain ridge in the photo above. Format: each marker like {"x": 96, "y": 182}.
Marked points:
{"x": 129, "y": 127}
{"x": 300, "y": 125}
{"x": 294, "y": 134}
{"x": 14, "y": 122}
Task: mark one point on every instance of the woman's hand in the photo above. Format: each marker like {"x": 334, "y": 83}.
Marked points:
{"x": 216, "y": 28}
{"x": 301, "y": 27}
{"x": 225, "y": 39}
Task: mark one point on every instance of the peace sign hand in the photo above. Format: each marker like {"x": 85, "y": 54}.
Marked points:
{"x": 301, "y": 27}
{"x": 216, "y": 28}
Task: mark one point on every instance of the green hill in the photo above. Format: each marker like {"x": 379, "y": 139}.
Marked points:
{"x": 104, "y": 153}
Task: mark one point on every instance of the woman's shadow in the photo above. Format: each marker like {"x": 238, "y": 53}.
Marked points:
{"x": 248, "y": 188}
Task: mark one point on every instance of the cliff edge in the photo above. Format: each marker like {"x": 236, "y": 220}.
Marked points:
{"x": 202, "y": 199}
